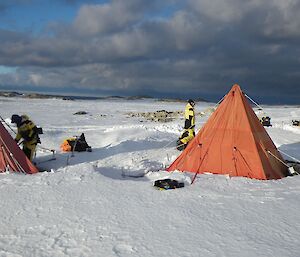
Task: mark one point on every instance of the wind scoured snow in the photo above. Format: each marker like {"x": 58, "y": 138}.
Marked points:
{"x": 100, "y": 204}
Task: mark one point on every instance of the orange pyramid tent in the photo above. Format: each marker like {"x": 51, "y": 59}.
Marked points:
{"x": 12, "y": 158}
{"x": 232, "y": 142}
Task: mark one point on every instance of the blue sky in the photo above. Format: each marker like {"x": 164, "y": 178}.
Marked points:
{"x": 5, "y": 69}
{"x": 171, "y": 48}
{"x": 36, "y": 14}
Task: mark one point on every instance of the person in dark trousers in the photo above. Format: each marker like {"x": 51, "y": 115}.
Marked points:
{"x": 189, "y": 126}
{"x": 189, "y": 115}
{"x": 27, "y": 131}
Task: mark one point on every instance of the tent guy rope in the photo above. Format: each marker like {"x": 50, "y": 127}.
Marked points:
{"x": 291, "y": 169}
{"x": 253, "y": 101}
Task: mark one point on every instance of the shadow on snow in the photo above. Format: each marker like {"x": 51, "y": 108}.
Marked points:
{"x": 65, "y": 159}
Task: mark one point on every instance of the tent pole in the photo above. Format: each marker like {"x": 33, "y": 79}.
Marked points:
{"x": 194, "y": 178}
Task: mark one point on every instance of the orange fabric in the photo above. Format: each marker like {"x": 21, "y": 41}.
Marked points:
{"x": 233, "y": 142}
{"x": 65, "y": 146}
{"x": 12, "y": 158}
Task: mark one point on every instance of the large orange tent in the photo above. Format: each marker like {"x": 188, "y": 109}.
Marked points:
{"x": 12, "y": 158}
{"x": 232, "y": 142}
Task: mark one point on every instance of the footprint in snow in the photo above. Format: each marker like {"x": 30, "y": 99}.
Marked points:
{"x": 122, "y": 249}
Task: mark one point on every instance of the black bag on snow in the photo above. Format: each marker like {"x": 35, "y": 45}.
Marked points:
{"x": 80, "y": 144}
{"x": 168, "y": 184}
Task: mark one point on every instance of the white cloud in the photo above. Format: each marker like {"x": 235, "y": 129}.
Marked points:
{"x": 105, "y": 18}
{"x": 35, "y": 79}
{"x": 219, "y": 10}
{"x": 272, "y": 18}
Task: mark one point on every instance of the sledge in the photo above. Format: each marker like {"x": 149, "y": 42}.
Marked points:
{"x": 77, "y": 144}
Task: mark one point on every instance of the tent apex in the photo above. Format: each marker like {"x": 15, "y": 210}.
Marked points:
{"x": 236, "y": 86}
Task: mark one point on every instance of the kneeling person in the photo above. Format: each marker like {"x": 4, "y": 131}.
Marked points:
{"x": 185, "y": 138}
{"x": 189, "y": 126}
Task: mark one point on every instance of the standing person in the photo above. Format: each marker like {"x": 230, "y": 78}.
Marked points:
{"x": 28, "y": 131}
{"x": 189, "y": 126}
{"x": 189, "y": 115}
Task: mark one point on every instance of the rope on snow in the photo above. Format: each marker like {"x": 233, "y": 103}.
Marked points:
{"x": 291, "y": 169}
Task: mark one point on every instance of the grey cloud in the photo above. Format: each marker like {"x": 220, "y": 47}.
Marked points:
{"x": 143, "y": 41}
{"x": 114, "y": 16}
{"x": 199, "y": 49}
{"x": 218, "y": 10}
{"x": 92, "y": 20}
{"x": 274, "y": 18}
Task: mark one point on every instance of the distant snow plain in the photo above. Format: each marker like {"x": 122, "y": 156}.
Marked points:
{"x": 97, "y": 204}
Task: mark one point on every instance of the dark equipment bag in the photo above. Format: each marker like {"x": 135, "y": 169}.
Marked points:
{"x": 80, "y": 144}
{"x": 167, "y": 184}
{"x": 77, "y": 144}
{"x": 39, "y": 130}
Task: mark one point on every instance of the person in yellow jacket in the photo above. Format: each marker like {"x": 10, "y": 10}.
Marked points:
{"x": 189, "y": 115}
{"x": 29, "y": 132}
{"x": 189, "y": 126}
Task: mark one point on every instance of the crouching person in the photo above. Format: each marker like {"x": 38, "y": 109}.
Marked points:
{"x": 185, "y": 138}
{"x": 27, "y": 131}
{"x": 189, "y": 126}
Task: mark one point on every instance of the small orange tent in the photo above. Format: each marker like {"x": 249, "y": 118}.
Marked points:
{"x": 233, "y": 142}
{"x": 12, "y": 158}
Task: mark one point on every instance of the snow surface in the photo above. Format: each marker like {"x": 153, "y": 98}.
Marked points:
{"x": 95, "y": 204}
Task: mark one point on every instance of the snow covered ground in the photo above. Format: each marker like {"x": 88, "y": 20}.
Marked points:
{"x": 93, "y": 204}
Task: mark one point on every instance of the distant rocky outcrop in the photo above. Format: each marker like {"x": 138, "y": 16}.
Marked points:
{"x": 66, "y": 97}
{"x": 198, "y": 99}
{"x": 158, "y": 116}
{"x": 10, "y": 94}
{"x": 171, "y": 100}
{"x": 138, "y": 97}
{"x": 27, "y": 95}
{"x": 167, "y": 116}
{"x": 37, "y": 96}
{"x": 80, "y": 113}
